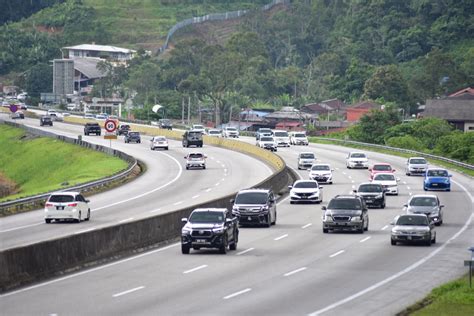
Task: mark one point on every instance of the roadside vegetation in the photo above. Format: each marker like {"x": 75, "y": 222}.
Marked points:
{"x": 32, "y": 165}
{"x": 454, "y": 298}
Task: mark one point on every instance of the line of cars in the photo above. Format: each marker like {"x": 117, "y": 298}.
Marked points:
{"x": 272, "y": 139}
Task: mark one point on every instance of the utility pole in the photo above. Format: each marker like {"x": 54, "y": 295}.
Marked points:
{"x": 189, "y": 109}
{"x": 182, "y": 110}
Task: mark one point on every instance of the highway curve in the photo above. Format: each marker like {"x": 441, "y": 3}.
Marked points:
{"x": 291, "y": 268}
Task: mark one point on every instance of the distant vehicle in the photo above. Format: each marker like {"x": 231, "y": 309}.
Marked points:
{"x": 92, "y": 128}
{"x": 165, "y": 124}
{"x": 89, "y": 116}
{"x": 66, "y": 206}
{"x": 198, "y": 128}
{"x": 56, "y": 116}
{"x": 101, "y": 117}
{"x": 231, "y": 132}
{"x": 192, "y": 138}
{"x": 267, "y": 142}
{"x": 123, "y": 129}
{"x": 346, "y": 212}
{"x": 159, "y": 142}
{"x": 22, "y": 96}
{"x": 305, "y": 191}
{"x": 263, "y": 132}
{"x": 210, "y": 228}
{"x": 23, "y": 106}
{"x": 437, "y": 179}
{"x": 132, "y": 137}
{"x": 72, "y": 107}
{"x": 427, "y": 204}
{"x": 46, "y": 120}
{"x": 195, "y": 160}
{"x": 372, "y": 193}
{"x": 214, "y": 133}
{"x": 255, "y": 207}
{"x": 298, "y": 138}
{"x": 51, "y": 111}
{"x": 321, "y": 172}
{"x": 18, "y": 115}
{"x": 380, "y": 168}
{"x": 306, "y": 160}
{"x": 413, "y": 228}
{"x": 388, "y": 181}
{"x": 357, "y": 160}
{"x": 281, "y": 138}
{"x": 416, "y": 165}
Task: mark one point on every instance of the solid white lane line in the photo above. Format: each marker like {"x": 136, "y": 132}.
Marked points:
{"x": 337, "y": 253}
{"x": 128, "y": 291}
{"x": 127, "y": 220}
{"x": 365, "y": 239}
{"x": 237, "y": 293}
{"x": 294, "y": 271}
{"x": 20, "y": 227}
{"x": 245, "y": 251}
{"x": 385, "y": 227}
{"x": 195, "y": 269}
{"x": 281, "y": 237}
{"x": 157, "y": 210}
{"x": 196, "y": 196}
{"x": 85, "y": 230}
{"x": 307, "y": 225}
{"x": 208, "y": 190}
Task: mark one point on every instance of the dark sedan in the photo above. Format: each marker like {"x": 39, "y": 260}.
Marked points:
{"x": 133, "y": 137}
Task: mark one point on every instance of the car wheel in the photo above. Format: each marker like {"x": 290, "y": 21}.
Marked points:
{"x": 203, "y": 167}
{"x": 269, "y": 220}
{"x": 196, "y": 247}
{"x": 361, "y": 228}
{"x": 424, "y": 188}
{"x": 166, "y": 148}
{"x": 223, "y": 248}
{"x": 393, "y": 242}
{"x": 275, "y": 219}
{"x": 383, "y": 205}
{"x": 325, "y": 230}
{"x": 408, "y": 174}
{"x": 434, "y": 240}
{"x": 185, "y": 249}
{"x": 233, "y": 245}
{"x": 47, "y": 220}
{"x": 79, "y": 218}
{"x": 292, "y": 202}
{"x": 428, "y": 242}
{"x": 187, "y": 168}
{"x": 367, "y": 227}
{"x": 448, "y": 190}
{"x": 88, "y": 215}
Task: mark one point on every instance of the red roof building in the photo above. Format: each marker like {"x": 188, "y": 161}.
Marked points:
{"x": 468, "y": 91}
{"x": 355, "y": 112}
{"x": 290, "y": 126}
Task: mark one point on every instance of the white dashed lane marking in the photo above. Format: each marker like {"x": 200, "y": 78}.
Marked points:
{"x": 385, "y": 227}
{"x": 281, "y": 237}
{"x": 294, "y": 271}
{"x": 237, "y": 293}
{"x": 307, "y": 225}
{"x": 337, "y": 253}
{"x": 126, "y": 220}
{"x": 128, "y": 291}
{"x": 245, "y": 251}
{"x": 195, "y": 269}
{"x": 365, "y": 239}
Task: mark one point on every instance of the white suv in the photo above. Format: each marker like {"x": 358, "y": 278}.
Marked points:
{"x": 281, "y": 138}
{"x": 198, "y": 128}
{"x": 416, "y": 165}
{"x": 230, "y": 132}
{"x": 298, "y": 138}
{"x": 357, "y": 159}
{"x": 66, "y": 206}
{"x": 195, "y": 160}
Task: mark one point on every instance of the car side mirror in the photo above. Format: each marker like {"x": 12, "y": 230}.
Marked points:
{"x": 405, "y": 205}
{"x": 432, "y": 224}
{"x": 324, "y": 208}
{"x": 290, "y": 186}
{"x": 450, "y": 175}
{"x": 185, "y": 157}
{"x": 354, "y": 191}
{"x": 398, "y": 179}
{"x": 441, "y": 206}
{"x": 232, "y": 200}
{"x": 228, "y": 220}
{"x": 321, "y": 188}
{"x": 184, "y": 220}
{"x": 392, "y": 223}
{"x": 87, "y": 201}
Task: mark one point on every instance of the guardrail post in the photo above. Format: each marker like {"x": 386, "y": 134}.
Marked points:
{"x": 470, "y": 263}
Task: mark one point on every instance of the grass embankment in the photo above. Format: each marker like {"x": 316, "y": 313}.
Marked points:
{"x": 454, "y": 299}
{"x": 394, "y": 153}
{"x": 40, "y": 164}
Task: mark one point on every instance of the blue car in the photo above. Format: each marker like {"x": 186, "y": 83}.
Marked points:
{"x": 437, "y": 179}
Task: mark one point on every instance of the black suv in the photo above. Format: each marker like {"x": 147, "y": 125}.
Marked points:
{"x": 192, "y": 138}
{"x": 346, "y": 212}
{"x": 372, "y": 193}
{"x": 46, "y": 120}
{"x": 123, "y": 129}
{"x": 92, "y": 128}
{"x": 165, "y": 124}
{"x": 132, "y": 137}
{"x": 255, "y": 206}
{"x": 210, "y": 228}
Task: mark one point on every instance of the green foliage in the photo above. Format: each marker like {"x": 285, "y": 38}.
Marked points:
{"x": 387, "y": 82}
{"x": 456, "y": 145}
{"x": 19, "y": 9}
{"x": 39, "y": 78}
{"x": 372, "y": 127}
{"x": 407, "y": 142}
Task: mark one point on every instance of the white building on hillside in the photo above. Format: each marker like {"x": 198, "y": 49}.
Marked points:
{"x": 110, "y": 53}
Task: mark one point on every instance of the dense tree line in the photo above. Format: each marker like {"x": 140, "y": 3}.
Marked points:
{"x": 12, "y": 11}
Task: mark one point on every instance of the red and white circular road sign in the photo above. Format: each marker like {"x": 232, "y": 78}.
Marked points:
{"x": 110, "y": 126}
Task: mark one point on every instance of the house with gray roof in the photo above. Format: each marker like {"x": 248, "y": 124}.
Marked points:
{"x": 459, "y": 112}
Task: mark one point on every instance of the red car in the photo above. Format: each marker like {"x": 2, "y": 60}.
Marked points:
{"x": 380, "y": 168}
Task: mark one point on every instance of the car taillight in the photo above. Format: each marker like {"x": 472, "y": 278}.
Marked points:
{"x": 48, "y": 205}
{"x": 72, "y": 204}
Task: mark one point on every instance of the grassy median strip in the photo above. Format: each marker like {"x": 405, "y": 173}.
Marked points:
{"x": 39, "y": 164}
{"x": 453, "y": 299}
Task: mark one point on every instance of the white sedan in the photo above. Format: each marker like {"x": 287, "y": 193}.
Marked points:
{"x": 159, "y": 142}
{"x": 388, "y": 181}
{"x": 305, "y": 191}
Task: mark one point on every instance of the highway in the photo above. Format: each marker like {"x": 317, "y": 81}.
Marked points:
{"x": 166, "y": 186}
{"x": 291, "y": 268}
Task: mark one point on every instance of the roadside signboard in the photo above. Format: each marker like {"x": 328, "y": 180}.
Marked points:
{"x": 110, "y": 125}
{"x": 13, "y": 108}
{"x": 110, "y": 136}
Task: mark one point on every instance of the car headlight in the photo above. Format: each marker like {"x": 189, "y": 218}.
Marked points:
{"x": 396, "y": 232}
{"x": 218, "y": 230}
{"x": 186, "y": 231}
{"x": 446, "y": 181}
{"x": 379, "y": 196}
{"x": 327, "y": 218}
{"x": 356, "y": 219}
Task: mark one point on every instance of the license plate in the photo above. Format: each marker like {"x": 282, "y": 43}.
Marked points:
{"x": 369, "y": 201}
{"x": 409, "y": 237}
{"x": 435, "y": 184}
{"x": 201, "y": 241}
{"x": 249, "y": 218}
{"x": 60, "y": 208}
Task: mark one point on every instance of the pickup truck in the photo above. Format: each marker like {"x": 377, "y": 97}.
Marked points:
{"x": 210, "y": 228}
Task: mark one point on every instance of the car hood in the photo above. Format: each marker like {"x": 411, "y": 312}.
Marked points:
{"x": 305, "y": 190}
{"x": 409, "y": 228}
{"x": 315, "y": 172}
{"x": 437, "y": 179}
{"x": 422, "y": 209}
{"x": 203, "y": 226}
{"x": 253, "y": 206}
{"x": 369, "y": 193}
{"x": 419, "y": 166}
{"x": 385, "y": 182}
{"x": 344, "y": 212}
{"x": 358, "y": 159}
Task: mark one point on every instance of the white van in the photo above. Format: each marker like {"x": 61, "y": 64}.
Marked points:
{"x": 282, "y": 138}
{"x": 298, "y": 138}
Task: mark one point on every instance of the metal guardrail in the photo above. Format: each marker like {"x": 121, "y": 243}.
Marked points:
{"x": 85, "y": 186}
{"x": 402, "y": 150}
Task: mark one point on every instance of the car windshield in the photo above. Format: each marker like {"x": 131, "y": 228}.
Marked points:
{"x": 133, "y": 134}
{"x": 384, "y": 177}
{"x": 307, "y": 156}
{"x": 412, "y": 220}
{"x": 267, "y": 139}
{"x": 61, "y": 198}
{"x": 207, "y": 217}
{"x": 344, "y": 204}
{"x": 306, "y": 184}
{"x": 437, "y": 173}
{"x": 251, "y": 198}
{"x": 214, "y": 132}
{"x": 370, "y": 188}
{"x": 159, "y": 138}
{"x": 300, "y": 135}
{"x": 281, "y": 134}
{"x": 423, "y": 201}
{"x": 382, "y": 167}
{"x": 358, "y": 155}
{"x": 194, "y": 134}
{"x": 198, "y": 127}
{"x": 418, "y": 161}
{"x": 232, "y": 129}
{"x": 264, "y": 130}
{"x": 125, "y": 126}
{"x": 320, "y": 167}
{"x": 165, "y": 121}
{"x": 195, "y": 156}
